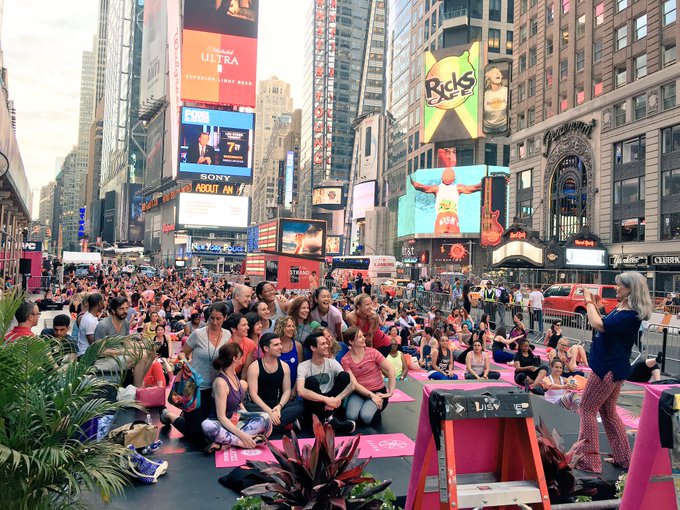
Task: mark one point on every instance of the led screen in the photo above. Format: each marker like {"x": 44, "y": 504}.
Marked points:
{"x": 364, "y": 199}
{"x": 302, "y": 237}
{"x": 585, "y": 257}
{"x": 330, "y": 196}
{"x": 212, "y": 211}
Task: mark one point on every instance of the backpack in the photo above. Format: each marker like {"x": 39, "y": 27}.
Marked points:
{"x": 504, "y": 297}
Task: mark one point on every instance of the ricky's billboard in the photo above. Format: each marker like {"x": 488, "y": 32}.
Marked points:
{"x": 451, "y": 94}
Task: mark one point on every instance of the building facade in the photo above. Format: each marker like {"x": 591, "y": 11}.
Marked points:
{"x": 594, "y": 115}
{"x": 344, "y": 78}
{"x": 415, "y": 27}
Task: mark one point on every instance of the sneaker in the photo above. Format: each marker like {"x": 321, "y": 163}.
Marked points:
{"x": 297, "y": 426}
{"x": 342, "y": 426}
{"x": 537, "y": 390}
{"x": 147, "y": 471}
{"x": 163, "y": 416}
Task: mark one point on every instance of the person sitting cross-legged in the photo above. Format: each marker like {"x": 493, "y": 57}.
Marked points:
{"x": 269, "y": 385}
{"x": 322, "y": 384}
{"x": 477, "y": 363}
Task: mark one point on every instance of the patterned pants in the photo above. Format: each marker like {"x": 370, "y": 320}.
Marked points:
{"x": 601, "y": 395}
{"x": 214, "y": 431}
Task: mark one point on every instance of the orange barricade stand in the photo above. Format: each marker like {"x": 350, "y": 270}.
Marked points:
{"x": 488, "y": 454}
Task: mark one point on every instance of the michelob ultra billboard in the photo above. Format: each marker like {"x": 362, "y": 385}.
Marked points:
{"x": 451, "y": 94}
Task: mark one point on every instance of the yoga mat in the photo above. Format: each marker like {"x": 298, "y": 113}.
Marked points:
{"x": 376, "y": 446}
{"x": 400, "y": 396}
{"x": 628, "y": 419}
{"x": 418, "y": 375}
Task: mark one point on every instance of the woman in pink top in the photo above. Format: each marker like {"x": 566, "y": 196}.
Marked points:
{"x": 366, "y": 366}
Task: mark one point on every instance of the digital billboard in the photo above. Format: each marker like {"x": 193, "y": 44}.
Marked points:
{"x": 155, "y": 131}
{"x": 367, "y": 140}
{"x": 289, "y": 180}
{"x": 136, "y": 215}
{"x": 363, "y": 199}
{"x": 154, "y": 43}
{"x": 333, "y": 245}
{"x": 442, "y": 200}
{"x": 451, "y": 251}
{"x": 494, "y": 209}
{"x": 302, "y": 237}
{"x": 235, "y": 17}
{"x": 495, "y": 118}
{"x": 212, "y": 211}
{"x": 451, "y": 93}
{"x": 218, "y": 68}
{"x": 216, "y": 142}
{"x": 329, "y": 197}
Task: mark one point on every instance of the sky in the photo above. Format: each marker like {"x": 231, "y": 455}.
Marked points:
{"x": 43, "y": 41}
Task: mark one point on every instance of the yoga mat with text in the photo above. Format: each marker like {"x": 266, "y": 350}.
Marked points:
{"x": 376, "y": 446}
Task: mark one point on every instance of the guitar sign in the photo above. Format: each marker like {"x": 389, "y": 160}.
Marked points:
{"x": 491, "y": 229}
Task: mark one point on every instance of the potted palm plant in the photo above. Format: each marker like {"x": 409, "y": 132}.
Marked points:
{"x": 47, "y": 399}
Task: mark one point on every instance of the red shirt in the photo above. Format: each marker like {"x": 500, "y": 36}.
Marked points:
{"x": 367, "y": 371}
{"x": 18, "y": 332}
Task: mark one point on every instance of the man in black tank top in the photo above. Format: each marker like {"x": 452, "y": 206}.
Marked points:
{"x": 269, "y": 386}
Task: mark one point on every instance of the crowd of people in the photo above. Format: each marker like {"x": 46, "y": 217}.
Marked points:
{"x": 271, "y": 360}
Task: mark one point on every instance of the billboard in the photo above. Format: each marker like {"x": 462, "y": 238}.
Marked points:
{"x": 109, "y": 216}
{"x": 215, "y": 142}
{"x": 289, "y": 180}
{"x": 136, "y": 216}
{"x": 218, "y": 68}
{"x": 235, "y": 17}
{"x": 155, "y": 132}
{"x": 174, "y": 78}
{"x": 334, "y": 245}
{"x": 363, "y": 199}
{"x": 154, "y": 42}
{"x": 212, "y": 211}
{"x": 451, "y": 94}
{"x": 329, "y": 197}
{"x": 496, "y": 102}
{"x": 367, "y": 141}
{"x": 302, "y": 237}
{"x": 494, "y": 210}
{"x": 442, "y": 201}
{"x": 451, "y": 251}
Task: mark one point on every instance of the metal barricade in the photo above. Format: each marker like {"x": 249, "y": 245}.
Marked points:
{"x": 426, "y": 299}
{"x": 37, "y": 284}
{"x": 575, "y": 326}
{"x": 657, "y": 338}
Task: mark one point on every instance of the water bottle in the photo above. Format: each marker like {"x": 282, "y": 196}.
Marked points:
{"x": 148, "y": 418}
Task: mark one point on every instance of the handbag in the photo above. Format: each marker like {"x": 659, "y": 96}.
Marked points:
{"x": 185, "y": 393}
{"x": 138, "y": 434}
{"x": 153, "y": 396}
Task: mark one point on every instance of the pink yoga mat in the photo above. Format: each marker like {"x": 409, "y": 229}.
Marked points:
{"x": 376, "y": 446}
{"x": 628, "y": 419}
{"x": 400, "y": 396}
{"x": 418, "y": 375}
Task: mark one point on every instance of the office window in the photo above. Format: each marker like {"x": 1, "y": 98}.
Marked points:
{"x": 640, "y": 27}
{"x": 531, "y": 116}
{"x": 619, "y": 114}
{"x": 581, "y": 25}
{"x": 491, "y": 154}
{"x": 520, "y": 93}
{"x": 564, "y": 69}
{"x": 621, "y": 37}
{"x": 668, "y": 95}
{"x": 670, "y": 225}
{"x": 525, "y": 209}
{"x": 474, "y": 33}
{"x": 631, "y": 230}
{"x": 670, "y": 139}
{"x": 523, "y": 6}
{"x": 548, "y": 77}
{"x": 511, "y": 11}
{"x": 548, "y": 110}
{"x": 563, "y": 103}
{"x": 532, "y": 56}
{"x": 670, "y": 183}
{"x": 508, "y": 42}
{"x": 597, "y": 86}
{"x": 522, "y": 62}
{"x": 565, "y": 37}
{"x": 597, "y": 50}
{"x": 580, "y": 60}
{"x": 565, "y": 6}
{"x": 495, "y": 7}
{"x": 640, "y": 107}
{"x": 523, "y": 180}
{"x": 506, "y": 155}
{"x": 533, "y": 27}
{"x": 531, "y": 87}
{"x": 521, "y": 121}
{"x": 550, "y": 13}
{"x": 669, "y": 7}
{"x": 629, "y": 190}
{"x": 548, "y": 46}
{"x": 640, "y": 66}
{"x": 522, "y": 33}
{"x": 520, "y": 150}
{"x": 668, "y": 55}
{"x": 531, "y": 147}
{"x": 630, "y": 151}
{"x": 621, "y": 5}
{"x": 599, "y": 14}
{"x": 494, "y": 40}
{"x": 619, "y": 76}
{"x": 580, "y": 94}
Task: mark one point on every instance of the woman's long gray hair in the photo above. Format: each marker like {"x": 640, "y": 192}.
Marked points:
{"x": 638, "y": 299}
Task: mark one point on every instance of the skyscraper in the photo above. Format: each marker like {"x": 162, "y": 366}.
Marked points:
{"x": 344, "y": 56}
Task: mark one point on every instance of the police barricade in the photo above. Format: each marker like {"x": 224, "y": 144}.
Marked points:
{"x": 575, "y": 326}
{"x": 426, "y": 299}
{"x": 657, "y": 338}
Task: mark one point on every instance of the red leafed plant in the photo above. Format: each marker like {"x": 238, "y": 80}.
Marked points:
{"x": 317, "y": 477}
{"x": 563, "y": 486}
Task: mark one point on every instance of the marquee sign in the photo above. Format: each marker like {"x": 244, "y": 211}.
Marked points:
{"x": 555, "y": 134}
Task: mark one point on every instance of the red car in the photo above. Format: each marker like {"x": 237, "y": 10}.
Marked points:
{"x": 568, "y": 297}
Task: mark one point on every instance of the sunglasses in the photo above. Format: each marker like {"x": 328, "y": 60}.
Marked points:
{"x": 324, "y": 324}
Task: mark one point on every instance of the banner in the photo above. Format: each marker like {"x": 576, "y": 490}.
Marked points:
{"x": 136, "y": 216}
{"x": 451, "y": 94}
{"x": 175, "y": 78}
{"x": 154, "y": 43}
{"x": 496, "y": 97}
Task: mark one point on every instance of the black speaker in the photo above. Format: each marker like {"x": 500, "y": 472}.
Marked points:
{"x": 25, "y": 266}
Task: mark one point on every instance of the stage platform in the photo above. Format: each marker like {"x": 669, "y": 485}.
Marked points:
{"x": 192, "y": 476}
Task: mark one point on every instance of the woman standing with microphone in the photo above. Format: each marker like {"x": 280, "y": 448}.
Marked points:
{"x": 615, "y": 335}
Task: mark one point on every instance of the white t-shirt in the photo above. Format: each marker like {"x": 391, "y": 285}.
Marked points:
{"x": 325, "y": 374}
{"x": 536, "y": 299}
{"x": 88, "y": 324}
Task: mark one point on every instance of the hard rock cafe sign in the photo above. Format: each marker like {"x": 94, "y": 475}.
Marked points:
{"x": 555, "y": 134}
